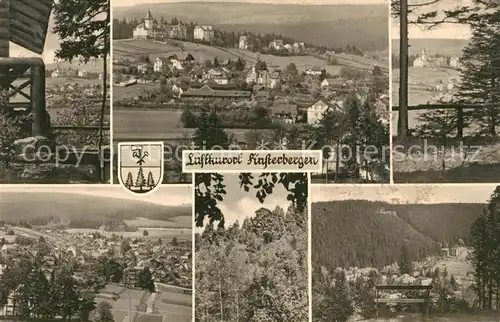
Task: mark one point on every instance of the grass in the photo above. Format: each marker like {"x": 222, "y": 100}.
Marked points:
{"x": 143, "y": 124}
{"x": 120, "y": 93}
{"x": 476, "y": 173}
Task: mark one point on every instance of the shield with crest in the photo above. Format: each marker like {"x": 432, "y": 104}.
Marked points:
{"x": 140, "y": 165}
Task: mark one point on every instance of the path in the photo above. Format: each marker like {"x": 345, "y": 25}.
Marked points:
{"x": 150, "y": 302}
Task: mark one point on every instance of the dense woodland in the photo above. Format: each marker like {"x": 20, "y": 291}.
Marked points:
{"x": 359, "y": 237}
{"x": 256, "y": 271}
{"x": 258, "y": 42}
{"x": 341, "y": 291}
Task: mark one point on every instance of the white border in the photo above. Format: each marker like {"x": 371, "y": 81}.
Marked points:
{"x": 110, "y": 90}
{"x": 193, "y": 246}
{"x": 309, "y": 247}
{"x": 162, "y": 165}
{"x": 389, "y": 35}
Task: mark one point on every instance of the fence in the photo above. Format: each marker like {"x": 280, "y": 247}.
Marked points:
{"x": 458, "y": 107}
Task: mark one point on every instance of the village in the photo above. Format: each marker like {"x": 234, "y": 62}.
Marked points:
{"x": 175, "y": 74}
{"x": 96, "y": 252}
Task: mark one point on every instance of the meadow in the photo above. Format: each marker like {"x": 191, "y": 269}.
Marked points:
{"x": 134, "y": 48}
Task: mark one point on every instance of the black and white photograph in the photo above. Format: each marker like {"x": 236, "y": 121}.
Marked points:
{"x": 405, "y": 253}
{"x": 54, "y": 98}
{"x": 96, "y": 253}
{"x": 251, "y": 247}
{"x": 250, "y": 74}
{"x": 445, "y": 91}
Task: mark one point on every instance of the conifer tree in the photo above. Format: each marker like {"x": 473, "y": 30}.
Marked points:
{"x": 151, "y": 181}
{"x": 480, "y": 69}
{"x": 140, "y": 181}
{"x": 336, "y": 305}
{"x": 129, "y": 182}
{"x": 404, "y": 261}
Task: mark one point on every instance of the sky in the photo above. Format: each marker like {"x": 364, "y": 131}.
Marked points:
{"x": 128, "y": 3}
{"x": 417, "y": 194}
{"x": 451, "y": 31}
{"x": 165, "y": 195}
{"x": 238, "y": 204}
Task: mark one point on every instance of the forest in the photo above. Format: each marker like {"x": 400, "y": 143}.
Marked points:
{"x": 359, "y": 237}
{"x": 342, "y": 290}
{"x": 256, "y": 271}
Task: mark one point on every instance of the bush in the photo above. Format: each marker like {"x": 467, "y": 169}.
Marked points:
{"x": 145, "y": 233}
{"x": 10, "y": 232}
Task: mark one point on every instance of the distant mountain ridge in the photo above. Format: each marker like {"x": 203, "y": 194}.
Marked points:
{"x": 364, "y": 233}
{"x": 330, "y": 25}
{"x": 445, "y": 46}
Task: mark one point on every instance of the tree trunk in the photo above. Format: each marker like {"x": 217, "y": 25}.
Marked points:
{"x": 220, "y": 298}
{"x": 104, "y": 99}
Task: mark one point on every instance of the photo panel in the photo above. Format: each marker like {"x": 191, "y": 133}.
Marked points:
{"x": 445, "y": 107}
{"x": 54, "y": 93}
{"x": 313, "y": 77}
{"x": 405, "y": 253}
{"x": 96, "y": 253}
{"x": 251, "y": 247}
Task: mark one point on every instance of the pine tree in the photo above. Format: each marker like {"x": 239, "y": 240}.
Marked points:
{"x": 129, "y": 182}
{"x": 404, "y": 261}
{"x": 210, "y": 132}
{"x": 140, "y": 182}
{"x": 480, "y": 68}
{"x": 485, "y": 233}
{"x": 151, "y": 181}
{"x": 336, "y": 305}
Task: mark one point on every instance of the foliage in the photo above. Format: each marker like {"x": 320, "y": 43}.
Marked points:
{"x": 404, "y": 262}
{"x": 486, "y": 257}
{"x": 256, "y": 271}
{"x": 13, "y": 125}
{"x": 210, "y": 189}
{"x": 210, "y": 134}
{"x": 480, "y": 70}
{"x": 145, "y": 280}
{"x": 102, "y": 313}
{"x": 83, "y": 27}
{"x": 336, "y": 305}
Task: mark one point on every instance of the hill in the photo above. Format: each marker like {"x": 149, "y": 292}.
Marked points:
{"x": 447, "y": 47}
{"x": 370, "y": 234}
{"x": 330, "y": 25}
{"x": 81, "y": 211}
{"x": 133, "y": 48}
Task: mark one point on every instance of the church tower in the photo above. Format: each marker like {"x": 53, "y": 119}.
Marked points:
{"x": 148, "y": 21}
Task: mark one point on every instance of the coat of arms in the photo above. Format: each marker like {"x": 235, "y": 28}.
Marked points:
{"x": 140, "y": 165}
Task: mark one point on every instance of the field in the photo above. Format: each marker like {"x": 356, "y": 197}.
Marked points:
{"x": 42, "y": 207}
{"x": 164, "y": 306}
{"x": 120, "y": 93}
{"x": 133, "y": 48}
{"x": 419, "y": 79}
{"x": 146, "y": 124}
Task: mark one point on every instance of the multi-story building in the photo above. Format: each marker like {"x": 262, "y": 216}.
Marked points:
{"x": 243, "y": 44}
{"x": 205, "y": 33}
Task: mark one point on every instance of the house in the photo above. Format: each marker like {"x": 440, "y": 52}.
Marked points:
{"x": 143, "y": 68}
{"x": 176, "y": 62}
{"x": 268, "y": 79}
{"x": 217, "y": 75}
{"x": 83, "y": 73}
{"x": 146, "y": 29}
{"x": 454, "y": 62}
{"x": 196, "y": 74}
{"x": 205, "y": 33}
{"x": 288, "y": 47}
{"x": 314, "y": 71}
{"x": 332, "y": 83}
{"x": 252, "y": 76}
{"x": 177, "y": 31}
{"x": 298, "y": 46}
{"x": 419, "y": 62}
{"x": 277, "y": 44}
{"x": 243, "y": 44}
{"x": 316, "y": 111}
{"x": 160, "y": 64}
{"x": 206, "y": 92}
{"x": 56, "y": 73}
{"x": 285, "y": 113}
